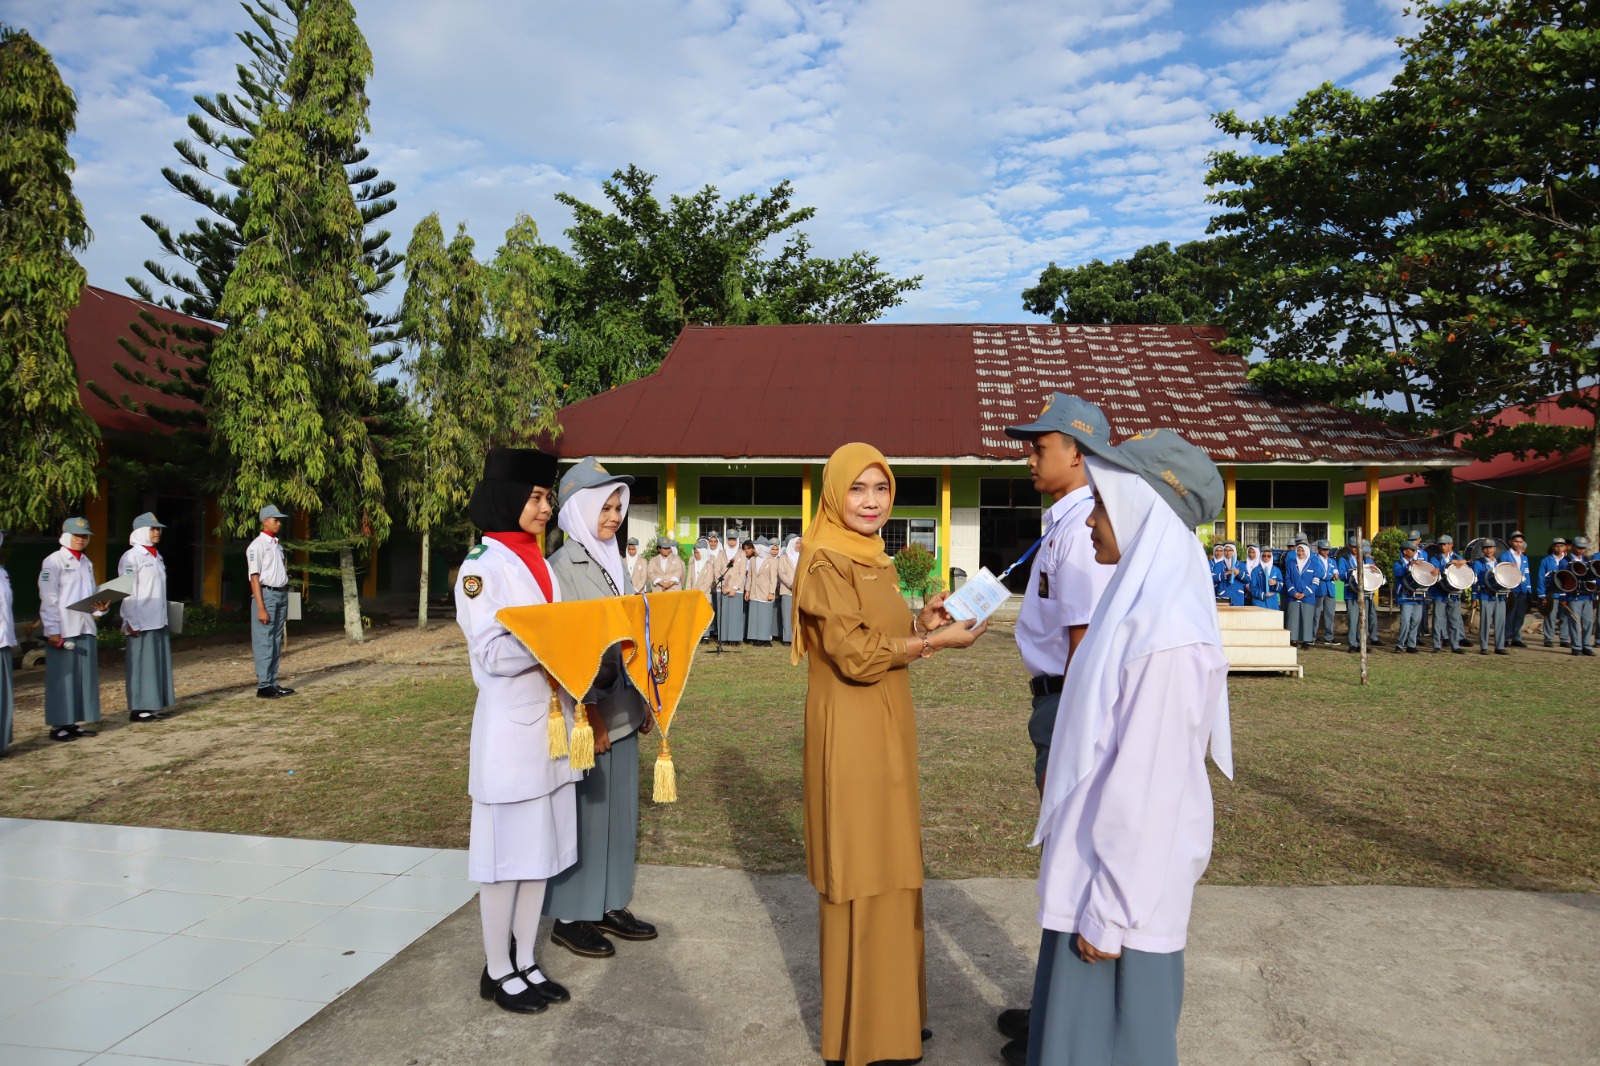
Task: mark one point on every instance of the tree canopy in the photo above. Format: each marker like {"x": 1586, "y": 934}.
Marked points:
{"x": 1157, "y": 285}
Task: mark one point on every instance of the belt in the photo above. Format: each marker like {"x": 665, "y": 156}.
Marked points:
{"x": 276, "y": 588}
{"x": 1044, "y": 686}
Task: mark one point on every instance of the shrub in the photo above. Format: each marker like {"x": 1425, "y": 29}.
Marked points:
{"x": 914, "y": 563}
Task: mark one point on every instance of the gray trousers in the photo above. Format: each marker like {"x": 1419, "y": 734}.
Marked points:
{"x": 1352, "y": 615}
{"x": 1118, "y": 1013}
{"x": 1302, "y": 621}
{"x": 1041, "y": 726}
{"x": 1410, "y": 624}
{"x": 1551, "y": 623}
{"x": 1492, "y": 613}
{"x": 1579, "y": 618}
{"x": 72, "y": 682}
{"x": 8, "y": 706}
{"x": 1326, "y": 613}
{"x": 1516, "y": 615}
{"x": 1447, "y": 624}
{"x": 266, "y": 639}
{"x": 608, "y": 839}
{"x": 786, "y": 618}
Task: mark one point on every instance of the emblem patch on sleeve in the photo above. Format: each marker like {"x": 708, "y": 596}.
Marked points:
{"x": 472, "y": 584}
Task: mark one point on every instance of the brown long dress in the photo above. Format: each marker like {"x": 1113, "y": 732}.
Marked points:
{"x": 863, "y": 822}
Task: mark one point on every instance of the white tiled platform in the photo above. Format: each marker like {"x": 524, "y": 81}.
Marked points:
{"x": 126, "y": 946}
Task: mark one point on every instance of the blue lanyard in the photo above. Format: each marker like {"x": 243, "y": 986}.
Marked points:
{"x": 1025, "y": 557}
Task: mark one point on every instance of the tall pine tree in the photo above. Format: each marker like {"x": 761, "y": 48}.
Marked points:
{"x": 49, "y": 447}
{"x": 294, "y": 371}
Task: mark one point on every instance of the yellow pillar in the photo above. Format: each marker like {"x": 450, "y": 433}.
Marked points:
{"x": 805, "y": 498}
{"x": 98, "y": 511}
{"x": 944, "y": 523}
{"x": 1372, "y": 502}
{"x": 1231, "y": 508}
{"x": 369, "y": 585}
{"x": 672, "y": 500}
{"x": 211, "y": 553}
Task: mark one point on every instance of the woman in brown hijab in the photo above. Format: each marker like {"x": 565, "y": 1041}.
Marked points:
{"x": 863, "y": 824}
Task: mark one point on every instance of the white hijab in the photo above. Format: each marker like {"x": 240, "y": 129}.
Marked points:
{"x": 140, "y": 538}
{"x": 1160, "y": 597}
{"x": 66, "y": 540}
{"x": 580, "y": 519}
{"x": 732, "y": 549}
{"x": 792, "y": 550}
{"x": 761, "y": 556}
{"x": 1252, "y": 559}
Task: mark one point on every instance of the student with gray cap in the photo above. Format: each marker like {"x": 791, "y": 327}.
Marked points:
{"x": 1325, "y": 612}
{"x": 1064, "y": 580}
{"x": 761, "y": 593}
{"x": 269, "y": 589}
{"x": 1517, "y": 601}
{"x": 1491, "y": 601}
{"x": 1579, "y": 604}
{"x": 1125, "y": 820}
{"x": 702, "y": 567}
{"x": 148, "y": 671}
{"x": 72, "y": 659}
{"x": 636, "y": 564}
{"x": 1546, "y": 592}
{"x": 1445, "y": 599}
{"x": 8, "y": 640}
{"x": 665, "y": 572}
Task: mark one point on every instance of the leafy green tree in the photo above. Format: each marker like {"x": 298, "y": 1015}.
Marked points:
{"x": 50, "y": 445}
{"x": 641, "y": 272}
{"x": 1157, "y": 285}
{"x": 294, "y": 370}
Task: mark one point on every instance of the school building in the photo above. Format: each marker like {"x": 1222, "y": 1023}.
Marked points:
{"x": 733, "y": 428}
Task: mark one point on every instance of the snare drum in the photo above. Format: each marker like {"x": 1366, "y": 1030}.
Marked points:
{"x": 1459, "y": 578}
{"x": 1372, "y": 578}
{"x": 1422, "y": 574}
{"x": 1507, "y": 575}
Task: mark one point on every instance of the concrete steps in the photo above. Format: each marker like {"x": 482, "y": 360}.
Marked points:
{"x": 1254, "y": 640}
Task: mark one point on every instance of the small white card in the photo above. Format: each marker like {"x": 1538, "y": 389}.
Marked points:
{"x": 978, "y": 598}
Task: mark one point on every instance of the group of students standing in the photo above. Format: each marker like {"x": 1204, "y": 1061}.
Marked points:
{"x": 749, "y": 583}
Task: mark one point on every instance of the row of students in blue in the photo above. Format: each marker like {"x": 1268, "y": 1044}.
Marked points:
{"x": 1575, "y": 609}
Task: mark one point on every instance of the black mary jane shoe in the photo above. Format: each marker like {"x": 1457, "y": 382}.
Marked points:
{"x": 622, "y": 923}
{"x": 582, "y": 938}
{"x": 547, "y": 988}
{"x": 529, "y": 1001}
{"x": 148, "y": 716}
{"x": 79, "y": 731}
{"x": 1015, "y": 1053}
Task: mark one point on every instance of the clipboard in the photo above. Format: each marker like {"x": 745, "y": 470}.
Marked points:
{"x": 118, "y": 588}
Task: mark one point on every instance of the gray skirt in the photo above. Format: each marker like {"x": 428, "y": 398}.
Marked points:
{"x": 8, "y": 706}
{"x": 72, "y": 682}
{"x": 608, "y": 839}
{"x": 1092, "y": 1013}
{"x": 760, "y": 625}
{"x": 149, "y": 671}
{"x": 730, "y": 619}
{"x": 786, "y": 618}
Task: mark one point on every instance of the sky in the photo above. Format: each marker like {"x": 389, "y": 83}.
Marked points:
{"x": 970, "y": 142}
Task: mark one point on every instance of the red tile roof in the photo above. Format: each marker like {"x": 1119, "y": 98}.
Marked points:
{"x": 92, "y": 331}
{"x": 949, "y": 391}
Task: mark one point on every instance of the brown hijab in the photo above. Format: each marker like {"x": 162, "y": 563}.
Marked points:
{"x": 828, "y": 529}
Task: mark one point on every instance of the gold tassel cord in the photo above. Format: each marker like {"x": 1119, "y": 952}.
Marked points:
{"x": 556, "y": 723}
{"x": 666, "y": 790}
{"x": 582, "y": 740}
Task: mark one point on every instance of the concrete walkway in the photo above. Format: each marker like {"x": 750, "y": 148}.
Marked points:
{"x": 1298, "y": 976}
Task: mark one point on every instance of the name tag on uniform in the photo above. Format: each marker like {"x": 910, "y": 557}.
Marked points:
{"x": 1044, "y": 584}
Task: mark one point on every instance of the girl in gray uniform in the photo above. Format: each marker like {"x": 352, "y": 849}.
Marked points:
{"x": 71, "y": 662}
{"x": 144, "y": 621}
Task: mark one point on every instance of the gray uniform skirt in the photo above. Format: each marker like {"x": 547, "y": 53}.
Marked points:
{"x": 608, "y": 839}
{"x": 786, "y": 618}
{"x": 72, "y": 682}
{"x": 761, "y": 617}
{"x": 1122, "y": 1011}
{"x": 8, "y": 706}
{"x": 730, "y": 619}
{"x": 149, "y": 673}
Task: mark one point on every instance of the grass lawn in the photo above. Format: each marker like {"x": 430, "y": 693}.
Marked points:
{"x": 1443, "y": 770}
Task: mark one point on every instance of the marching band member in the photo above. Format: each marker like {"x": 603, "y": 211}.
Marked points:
{"x": 730, "y": 586}
{"x": 664, "y": 573}
{"x": 788, "y": 559}
{"x": 1517, "y": 602}
{"x": 1328, "y": 572}
{"x": 1350, "y": 570}
{"x": 1546, "y": 593}
{"x": 761, "y": 592}
{"x": 72, "y": 660}
{"x": 1303, "y": 583}
{"x": 1230, "y": 583}
{"x": 148, "y": 667}
{"x": 1414, "y": 537}
{"x": 1579, "y": 605}
{"x": 1446, "y": 600}
{"x": 1266, "y": 581}
{"x": 1412, "y": 601}
{"x": 1491, "y": 602}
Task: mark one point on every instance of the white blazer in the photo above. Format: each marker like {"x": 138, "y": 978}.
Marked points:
{"x": 510, "y": 755}
{"x": 146, "y": 609}
{"x": 64, "y": 579}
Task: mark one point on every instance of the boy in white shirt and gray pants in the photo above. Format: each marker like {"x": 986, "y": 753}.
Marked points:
{"x": 269, "y": 593}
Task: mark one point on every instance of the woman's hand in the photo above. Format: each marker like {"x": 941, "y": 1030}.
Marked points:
{"x": 958, "y": 635}
{"x": 933, "y": 615}
{"x": 1089, "y": 953}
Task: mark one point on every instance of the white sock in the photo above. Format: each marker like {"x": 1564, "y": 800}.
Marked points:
{"x": 496, "y": 902}
{"x": 525, "y": 924}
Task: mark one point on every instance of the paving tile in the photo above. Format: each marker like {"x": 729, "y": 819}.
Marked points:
{"x": 364, "y": 929}
{"x": 11, "y": 825}
{"x": 193, "y": 962}
{"x": 19, "y": 991}
{"x": 76, "y": 951}
{"x": 160, "y": 911}
{"x": 219, "y": 1027}
{"x": 339, "y": 888}
{"x": 438, "y": 894}
{"x": 14, "y": 933}
{"x": 111, "y": 1058}
{"x": 46, "y": 901}
{"x": 283, "y": 851}
{"x": 46, "y": 834}
{"x": 276, "y": 921}
{"x": 304, "y": 971}
{"x": 124, "y": 839}
{"x": 17, "y": 1055}
{"x": 378, "y": 859}
{"x": 224, "y": 846}
{"x": 237, "y": 879}
{"x": 451, "y": 864}
{"x": 78, "y": 866}
{"x": 90, "y": 1016}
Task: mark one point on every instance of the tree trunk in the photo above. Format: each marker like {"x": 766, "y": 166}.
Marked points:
{"x": 352, "y": 597}
{"x": 1591, "y": 504}
{"x": 1442, "y": 498}
{"x": 422, "y": 594}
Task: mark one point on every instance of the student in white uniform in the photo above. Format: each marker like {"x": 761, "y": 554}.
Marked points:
{"x": 1126, "y": 817}
{"x": 524, "y": 808}
{"x": 148, "y": 662}
{"x": 72, "y": 659}
{"x": 8, "y": 640}
{"x": 1064, "y": 585}
{"x": 269, "y": 594}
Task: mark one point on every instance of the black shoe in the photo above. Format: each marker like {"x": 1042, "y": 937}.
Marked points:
{"x": 148, "y": 716}
{"x": 1518, "y": 644}
{"x": 1399, "y": 651}
{"x": 547, "y": 988}
{"x": 268, "y": 693}
{"x": 528, "y": 1001}
{"x": 1354, "y": 648}
{"x": 1575, "y": 651}
{"x": 1501, "y": 651}
{"x": 64, "y": 733}
{"x": 623, "y": 924}
{"x": 582, "y": 938}
{"x": 927, "y": 1035}
{"x": 1549, "y": 643}
{"x": 1015, "y": 1053}
{"x": 283, "y": 691}
{"x": 1411, "y": 651}
{"x": 1013, "y": 1023}
{"x": 1459, "y": 651}
{"x": 1483, "y": 651}
{"x": 79, "y": 731}
{"x": 1586, "y": 651}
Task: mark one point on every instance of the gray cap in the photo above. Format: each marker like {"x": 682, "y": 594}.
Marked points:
{"x": 1182, "y": 474}
{"x": 1065, "y": 413}
{"x": 1366, "y": 545}
{"x": 1558, "y": 540}
{"x": 663, "y": 542}
{"x": 1301, "y": 540}
{"x": 270, "y": 511}
{"x": 702, "y": 543}
{"x": 148, "y": 521}
{"x": 78, "y": 527}
{"x": 1580, "y": 542}
{"x": 713, "y": 536}
{"x": 1409, "y": 547}
{"x": 1323, "y": 546}
{"x": 1413, "y": 535}
{"x": 1349, "y": 540}
{"x": 763, "y": 542}
{"x": 1515, "y": 533}
{"x": 1446, "y": 539}
{"x": 589, "y": 474}
{"x": 633, "y": 542}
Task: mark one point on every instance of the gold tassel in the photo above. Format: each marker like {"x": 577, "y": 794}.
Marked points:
{"x": 557, "y": 726}
{"x": 666, "y": 775}
{"x": 582, "y": 740}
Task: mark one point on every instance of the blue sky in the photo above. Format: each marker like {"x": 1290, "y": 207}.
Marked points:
{"x": 970, "y": 142}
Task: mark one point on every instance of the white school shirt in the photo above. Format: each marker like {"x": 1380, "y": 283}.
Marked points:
{"x": 265, "y": 557}
{"x": 8, "y": 628}
{"x": 65, "y": 579}
{"x": 146, "y": 609}
{"x": 1065, "y": 563}
{"x": 1128, "y": 844}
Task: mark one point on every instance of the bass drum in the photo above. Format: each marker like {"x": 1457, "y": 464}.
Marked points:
{"x": 1507, "y": 575}
{"x": 1564, "y": 581}
{"x": 1459, "y": 578}
{"x": 1420, "y": 575}
{"x": 1372, "y": 578}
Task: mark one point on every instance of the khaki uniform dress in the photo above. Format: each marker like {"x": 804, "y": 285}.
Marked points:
{"x": 636, "y": 570}
{"x": 659, "y": 569}
{"x": 863, "y": 825}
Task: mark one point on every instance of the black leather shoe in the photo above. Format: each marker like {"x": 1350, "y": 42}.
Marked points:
{"x": 266, "y": 693}
{"x": 623, "y": 924}
{"x": 284, "y": 691}
{"x": 148, "y": 716}
{"x": 1501, "y": 651}
{"x": 79, "y": 731}
{"x": 1015, "y": 1053}
{"x": 1459, "y": 651}
{"x": 1013, "y": 1023}
{"x": 66, "y": 734}
{"x": 547, "y": 988}
{"x": 1411, "y": 651}
{"x": 1549, "y": 644}
{"x": 582, "y": 938}
{"x": 1586, "y": 651}
{"x": 528, "y": 1001}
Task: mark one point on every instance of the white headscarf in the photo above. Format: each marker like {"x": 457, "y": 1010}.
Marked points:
{"x": 792, "y": 550}
{"x": 140, "y": 538}
{"x": 732, "y": 548}
{"x": 66, "y": 540}
{"x": 1251, "y": 561}
{"x": 761, "y": 556}
{"x": 1160, "y": 597}
{"x": 580, "y": 519}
